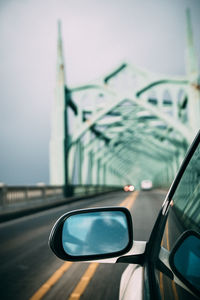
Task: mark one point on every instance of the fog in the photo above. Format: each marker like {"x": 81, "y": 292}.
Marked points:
{"x": 97, "y": 37}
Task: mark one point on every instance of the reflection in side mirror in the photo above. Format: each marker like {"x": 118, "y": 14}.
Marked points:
{"x": 185, "y": 260}
{"x": 91, "y": 234}
{"x": 95, "y": 233}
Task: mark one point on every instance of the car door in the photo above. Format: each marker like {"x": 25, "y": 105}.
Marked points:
{"x": 184, "y": 214}
{"x": 180, "y": 212}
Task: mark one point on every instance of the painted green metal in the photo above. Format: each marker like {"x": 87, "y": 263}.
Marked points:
{"x": 125, "y": 127}
{"x": 58, "y": 133}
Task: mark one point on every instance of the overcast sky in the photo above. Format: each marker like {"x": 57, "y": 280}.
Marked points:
{"x": 97, "y": 36}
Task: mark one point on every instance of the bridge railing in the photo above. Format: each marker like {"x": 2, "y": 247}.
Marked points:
{"x": 18, "y": 194}
{"x": 11, "y": 195}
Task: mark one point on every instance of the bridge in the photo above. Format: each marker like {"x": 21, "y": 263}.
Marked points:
{"x": 123, "y": 127}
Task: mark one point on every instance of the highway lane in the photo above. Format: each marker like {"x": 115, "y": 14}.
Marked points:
{"x": 27, "y": 262}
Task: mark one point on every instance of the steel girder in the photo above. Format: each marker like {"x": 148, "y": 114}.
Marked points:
{"x": 130, "y": 123}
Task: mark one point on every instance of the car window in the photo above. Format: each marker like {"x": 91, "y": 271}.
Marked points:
{"x": 184, "y": 214}
{"x": 186, "y": 199}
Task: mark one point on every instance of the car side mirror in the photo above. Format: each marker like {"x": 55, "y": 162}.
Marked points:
{"x": 91, "y": 234}
{"x": 185, "y": 260}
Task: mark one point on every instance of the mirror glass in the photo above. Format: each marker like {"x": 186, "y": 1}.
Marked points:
{"x": 95, "y": 233}
{"x": 187, "y": 260}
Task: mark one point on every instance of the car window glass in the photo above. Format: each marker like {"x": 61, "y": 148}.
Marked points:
{"x": 184, "y": 214}
{"x": 186, "y": 200}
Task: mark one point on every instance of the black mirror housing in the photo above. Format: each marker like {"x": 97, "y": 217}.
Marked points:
{"x": 92, "y": 234}
{"x": 184, "y": 260}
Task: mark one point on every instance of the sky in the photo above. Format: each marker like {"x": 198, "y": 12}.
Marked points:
{"x": 97, "y": 36}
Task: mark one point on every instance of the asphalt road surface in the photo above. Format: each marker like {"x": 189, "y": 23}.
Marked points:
{"x": 29, "y": 270}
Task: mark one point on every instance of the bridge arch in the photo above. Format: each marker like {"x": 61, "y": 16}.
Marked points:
{"x": 129, "y": 123}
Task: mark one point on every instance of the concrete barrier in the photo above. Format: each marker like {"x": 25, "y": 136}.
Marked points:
{"x": 17, "y": 201}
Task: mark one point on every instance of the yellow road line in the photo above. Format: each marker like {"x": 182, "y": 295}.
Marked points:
{"x": 161, "y": 286}
{"x": 128, "y": 202}
{"x": 168, "y": 248}
{"x": 83, "y": 283}
{"x": 89, "y": 273}
{"x": 51, "y": 281}
{"x": 161, "y": 280}
{"x": 167, "y": 235}
{"x": 175, "y": 291}
{"x": 39, "y": 294}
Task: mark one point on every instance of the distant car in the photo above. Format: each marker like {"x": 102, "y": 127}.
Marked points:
{"x": 146, "y": 184}
{"x": 167, "y": 265}
{"x": 129, "y": 188}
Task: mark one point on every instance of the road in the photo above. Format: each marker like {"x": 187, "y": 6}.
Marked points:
{"x": 27, "y": 263}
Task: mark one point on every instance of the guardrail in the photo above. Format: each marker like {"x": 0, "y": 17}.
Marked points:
{"x": 10, "y": 195}
{"x": 19, "y": 194}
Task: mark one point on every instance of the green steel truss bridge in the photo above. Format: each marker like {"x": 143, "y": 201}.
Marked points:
{"x": 124, "y": 127}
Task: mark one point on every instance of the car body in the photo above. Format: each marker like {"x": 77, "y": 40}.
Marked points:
{"x": 146, "y": 184}
{"x": 129, "y": 188}
{"x": 167, "y": 266}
